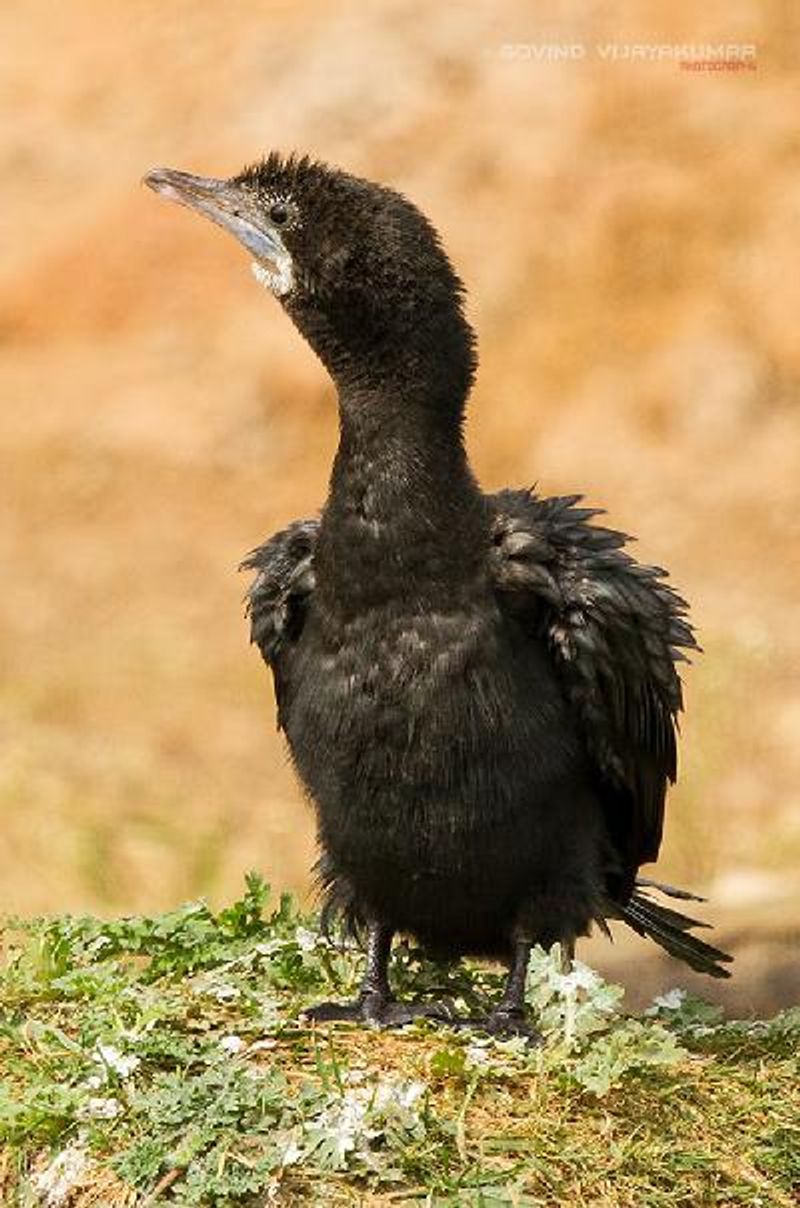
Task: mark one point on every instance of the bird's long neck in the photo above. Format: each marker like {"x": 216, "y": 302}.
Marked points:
{"x": 404, "y": 517}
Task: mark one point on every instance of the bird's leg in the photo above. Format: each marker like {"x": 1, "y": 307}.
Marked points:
{"x": 375, "y": 991}
{"x": 375, "y": 1003}
{"x": 567, "y": 955}
{"x": 512, "y": 1003}
{"x": 508, "y": 1017}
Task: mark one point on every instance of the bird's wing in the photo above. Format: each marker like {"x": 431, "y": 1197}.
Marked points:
{"x": 279, "y": 597}
{"x": 616, "y": 632}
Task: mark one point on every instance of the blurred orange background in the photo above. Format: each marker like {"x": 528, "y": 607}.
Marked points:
{"x": 627, "y": 231}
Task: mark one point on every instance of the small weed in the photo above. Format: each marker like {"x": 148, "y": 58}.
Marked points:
{"x": 164, "y": 1059}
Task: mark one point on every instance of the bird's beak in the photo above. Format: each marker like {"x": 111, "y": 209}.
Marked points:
{"x": 229, "y": 205}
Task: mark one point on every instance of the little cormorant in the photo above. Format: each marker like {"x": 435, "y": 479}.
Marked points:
{"x": 479, "y": 692}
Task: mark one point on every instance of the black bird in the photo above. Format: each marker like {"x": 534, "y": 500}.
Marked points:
{"x": 479, "y": 691}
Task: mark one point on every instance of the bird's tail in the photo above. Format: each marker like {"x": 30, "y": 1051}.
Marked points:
{"x": 672, "y": 930}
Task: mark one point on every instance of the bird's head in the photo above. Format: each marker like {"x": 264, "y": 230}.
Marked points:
{"x": 358, "y": 268}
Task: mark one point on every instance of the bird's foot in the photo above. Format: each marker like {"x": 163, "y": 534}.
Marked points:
{"x": 511, "y": 1022}
{"x": 378, "y": 1010}
{"x": 502, "y": 1022}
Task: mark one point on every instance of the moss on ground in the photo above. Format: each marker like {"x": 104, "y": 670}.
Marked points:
{"x": 161, "y": 1060}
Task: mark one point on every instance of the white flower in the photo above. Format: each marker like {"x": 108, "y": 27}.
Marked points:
{"x": 477, "y": 1056}
{"x": 231, "y": 1044}
{"x": 268, "y": 947}
{"x": 362, "y": 1113}
{"x": 110, "y": 1058}
{"x": 99, "y": 941}
{"x": 306, "y": 940}
{"x": 673, "y": 1000}
{"x": 59, "y": 1179}
{"x": 291, "y": 1154}
{"x": 580, "y": 978}
{"x": 343, "y": 1123}
{"x": 102, "y": 1109}
{"x": 224, "y": 992}
{"x": 401, "y": 1094}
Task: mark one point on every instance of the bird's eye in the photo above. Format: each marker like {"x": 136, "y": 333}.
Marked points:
{"x": 279, "y": 213}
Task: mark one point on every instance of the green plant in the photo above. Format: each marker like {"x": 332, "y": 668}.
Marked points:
{"x": 167, "y": 1056}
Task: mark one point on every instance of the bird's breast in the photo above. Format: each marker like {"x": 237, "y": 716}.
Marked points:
{"x": 414, "y": 662}
{"x": 435, "y": 701}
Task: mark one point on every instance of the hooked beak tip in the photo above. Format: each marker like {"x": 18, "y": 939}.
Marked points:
{"x": 167, "y": 182}
{"x": 155, "y": 179}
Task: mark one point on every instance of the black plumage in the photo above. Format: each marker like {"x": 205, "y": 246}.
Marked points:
{"x": 479, "y": 692}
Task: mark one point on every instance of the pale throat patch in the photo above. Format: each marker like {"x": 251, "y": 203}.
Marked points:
{"x": 279, "y": 280}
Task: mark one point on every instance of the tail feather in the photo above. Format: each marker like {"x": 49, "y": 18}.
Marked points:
{"x": 672, "y": 930}
{"x": 669, "y": 891}
{"x": 669, "y": 917}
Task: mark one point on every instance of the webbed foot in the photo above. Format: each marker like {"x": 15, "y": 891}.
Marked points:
{"x": 503, "y": 1022}
{"x": 509, "y": 1017}
{"x": 379, "y": 1011}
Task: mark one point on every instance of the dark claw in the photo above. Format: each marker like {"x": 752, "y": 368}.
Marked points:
{"x": 379, "y": 1011}
{"x": 501, "y": 1022}
{"x": 332, "y": 1012}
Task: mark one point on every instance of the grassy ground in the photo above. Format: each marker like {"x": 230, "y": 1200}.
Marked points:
{"x": 623, "y": 229}
{"x": 160, "y": 1060}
